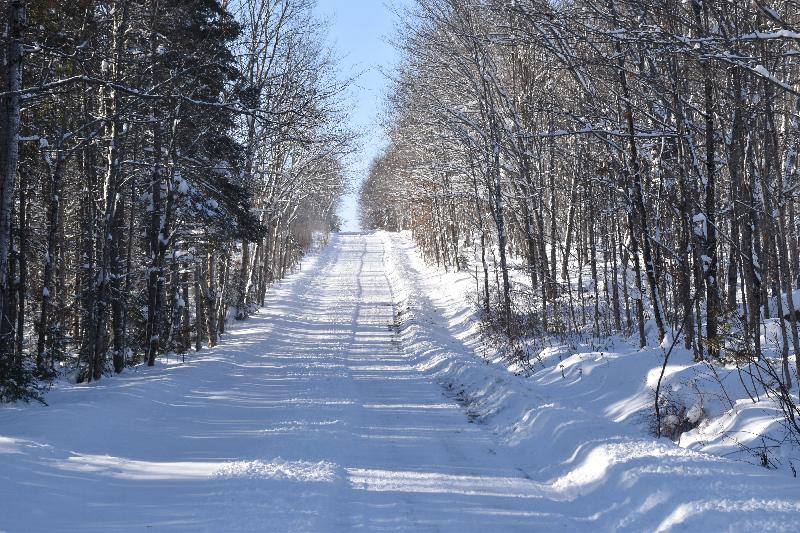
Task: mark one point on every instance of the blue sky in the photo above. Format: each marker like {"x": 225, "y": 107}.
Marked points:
{"x": 360, "y": 31}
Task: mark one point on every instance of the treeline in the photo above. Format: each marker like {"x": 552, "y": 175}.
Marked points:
{"x": 632, "y": 164}
{"x": 161, "y": 163}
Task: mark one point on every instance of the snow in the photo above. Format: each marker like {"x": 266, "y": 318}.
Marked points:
{"x": 761, "y": 69}
{"x": 700, "y": 225}
{"x": 760, "y": 35}
{"x": 355, "y": 400}
{"x": 183, "y": 185}
{"x": 773, "y": 303}
{"x": 695, "y": 413}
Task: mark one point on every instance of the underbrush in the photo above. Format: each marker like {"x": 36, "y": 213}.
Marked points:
{"x": 738, "y": 404}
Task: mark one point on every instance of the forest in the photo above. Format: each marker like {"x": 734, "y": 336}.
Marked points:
{"x": 402, "y": 265}
{"x": 606, "y": 168}
{"x": 163, "y": 162}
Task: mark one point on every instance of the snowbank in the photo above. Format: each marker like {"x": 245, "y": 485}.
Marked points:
{"x": 579, "y": 426}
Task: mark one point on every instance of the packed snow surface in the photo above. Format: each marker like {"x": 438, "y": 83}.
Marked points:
{"x": 354, "y": 401}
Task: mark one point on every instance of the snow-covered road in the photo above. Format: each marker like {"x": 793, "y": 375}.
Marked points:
{"x": 308, "y": 418}
{"x": 314, "y": 415}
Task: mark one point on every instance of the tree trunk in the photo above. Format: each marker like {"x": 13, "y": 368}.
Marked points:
{"x": 637, "y": 191}
{"x": 9, "y": 160}
{"x": 53, "y": 223}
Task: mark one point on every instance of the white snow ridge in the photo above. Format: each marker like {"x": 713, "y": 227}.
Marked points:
{"x": 279, "y": 469}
